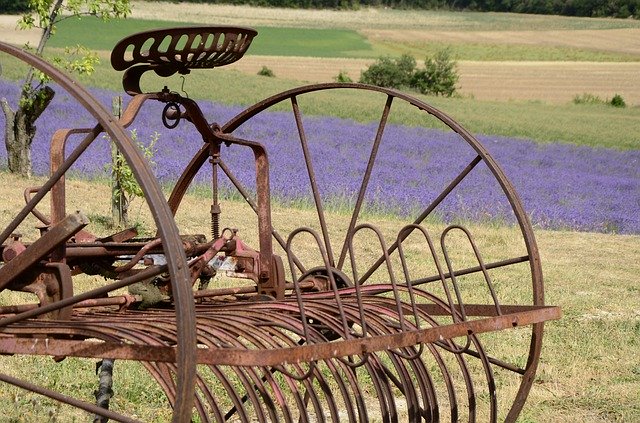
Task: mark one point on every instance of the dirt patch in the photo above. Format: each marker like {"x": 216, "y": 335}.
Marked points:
{"x": 9, "y": 32}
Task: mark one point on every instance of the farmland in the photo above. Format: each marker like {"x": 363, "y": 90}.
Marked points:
{"x": 575, "y": 166}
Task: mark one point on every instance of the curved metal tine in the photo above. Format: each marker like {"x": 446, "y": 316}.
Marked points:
{"x": 247, "y": 197}
{"x": 55, "y": 177}
{"x": 427, "y": 211}
{"x": 476, "y": 252}
{"x": 409, "y": 228}
{"x": 312, "y": 180}
{"x": 394, "y": 286}
{"x": 366, "y": 177}
{"x": 149, "y": 272}
{"x": 396, "y": 292}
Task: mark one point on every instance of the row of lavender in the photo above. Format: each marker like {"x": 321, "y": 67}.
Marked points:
{"x": 561, "y": 185}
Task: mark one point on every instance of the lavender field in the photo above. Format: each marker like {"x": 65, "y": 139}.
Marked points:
{"x": 562, "y": 186}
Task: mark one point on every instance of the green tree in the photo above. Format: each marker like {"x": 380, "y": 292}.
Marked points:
{"x": 439, "y": 76}
{"x": 36, "y": 95}
{"x": 389, "y": 72}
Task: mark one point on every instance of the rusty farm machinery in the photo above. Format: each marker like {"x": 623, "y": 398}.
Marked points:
{"x": 331, "y": 318}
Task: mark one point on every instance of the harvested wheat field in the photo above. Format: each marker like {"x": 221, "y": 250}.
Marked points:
{"x": 553, "y": 82}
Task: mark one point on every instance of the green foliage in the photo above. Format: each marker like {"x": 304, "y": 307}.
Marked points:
{"x": 618, "y": 101}
{"x": 127, "y": 184}
{"x": 389, "y": 72}
{"x": 265, "y": 71}
{"x": 587, "y": 98}
{"x": 438, "y": 77}
{"x": 46, "y": 13}
{"x": 343, "y": 77}
{"x": 78, "y": 59}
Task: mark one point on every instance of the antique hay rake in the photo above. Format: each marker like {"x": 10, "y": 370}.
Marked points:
{"x": 331, "y": 322}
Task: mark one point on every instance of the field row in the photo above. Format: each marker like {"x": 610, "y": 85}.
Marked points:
{"x": 553, "y": 82}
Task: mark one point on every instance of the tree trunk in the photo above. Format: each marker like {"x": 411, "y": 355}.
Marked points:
{"x": 20, "y": 129}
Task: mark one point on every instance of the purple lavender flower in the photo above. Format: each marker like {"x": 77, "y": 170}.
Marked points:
{"x": 561, "y": 185}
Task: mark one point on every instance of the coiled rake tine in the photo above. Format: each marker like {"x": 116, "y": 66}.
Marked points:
{"x": 394, "y": 285}
{"x": 483, "y": 268}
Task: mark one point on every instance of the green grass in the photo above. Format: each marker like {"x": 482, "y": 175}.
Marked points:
{"x": 595, "y": 125}
{"x": 96, "y": 34}
{"x": 327, "y": 42}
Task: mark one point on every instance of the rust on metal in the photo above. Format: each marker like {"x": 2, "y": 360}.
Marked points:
{"x": 295, "y": 339}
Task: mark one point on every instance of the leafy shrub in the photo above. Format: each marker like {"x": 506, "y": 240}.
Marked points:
{"x": 389, "y": 72}
{"x": 587, "y": 98}
{"x": 439, "y": 76}
{"x": 265, "y": 71}
{"x": 343, "y": 77}
{"x": 618, "y": 101}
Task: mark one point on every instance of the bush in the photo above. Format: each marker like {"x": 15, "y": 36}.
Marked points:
{"x": 587, "y": 98}
{"x": 439, "y": 76}
{"x": 343, "y": 77}
{"x": 265, "y": 71}
{"x": 389, "y": 72}
{"x": 618, "y": 101}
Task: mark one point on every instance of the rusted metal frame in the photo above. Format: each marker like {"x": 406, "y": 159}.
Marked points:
{"x": 65, "y": 287}
{"x": 375, "y": 313}
{"x": 38, "y": 250}
{"x": 88, "y": 295}
{"x": 379, "y": 326}
{"x": 161, "y": 331}
{"x": 55, "y": 177}
{"x": 91, "y": 408}
{"x": 312, "y": 180}
{"x": 267, "y": 284}
{"x": 120, "y": 300}
{"x": 306, "y": 353}
{"x": 427, "y": 211}
{"x": 214, "y": 159}
{"x": 367, "y": 175}
{"x": 462, "y": 272}
{"x": 247, "y": 197}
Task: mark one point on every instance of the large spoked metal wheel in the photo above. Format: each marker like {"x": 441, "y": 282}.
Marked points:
{"x": 61, "y": 322}
{"x": 407, "y": 159}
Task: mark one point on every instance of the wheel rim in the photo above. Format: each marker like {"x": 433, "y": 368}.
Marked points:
{"x": 176, "y": 265}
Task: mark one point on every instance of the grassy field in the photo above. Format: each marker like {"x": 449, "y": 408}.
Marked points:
{"x": 589, "y": 369}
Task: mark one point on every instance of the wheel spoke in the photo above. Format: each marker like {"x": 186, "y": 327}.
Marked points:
{"x": 365, "y": 180}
